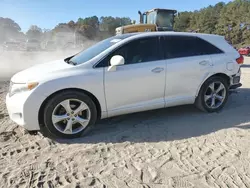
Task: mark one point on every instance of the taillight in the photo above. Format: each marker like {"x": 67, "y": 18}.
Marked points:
{"x": 240, "y": 60}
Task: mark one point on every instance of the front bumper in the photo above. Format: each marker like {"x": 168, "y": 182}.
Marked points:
{"x": 15, "y": 109}
{"x": 21, "y": 112}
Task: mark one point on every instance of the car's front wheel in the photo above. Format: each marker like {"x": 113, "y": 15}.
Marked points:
{"x": 69, "y": 114}
{"x": 213, "y": 95}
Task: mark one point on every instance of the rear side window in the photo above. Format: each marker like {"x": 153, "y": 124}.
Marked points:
{"x": 186, "y": 46}
{"x": 179, "y": 46}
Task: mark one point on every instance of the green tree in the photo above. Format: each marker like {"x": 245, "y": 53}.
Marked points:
{"x": 223, "y": 19}
{"x": 88, "y": 27}
{"x": 9, "y": 29}
{"x": 34, "y": 32}
{"x": 110, "y": 23}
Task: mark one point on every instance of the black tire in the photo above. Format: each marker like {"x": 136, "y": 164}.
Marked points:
{"x": 200, "y": 100}
{"x": 57, "y": 99}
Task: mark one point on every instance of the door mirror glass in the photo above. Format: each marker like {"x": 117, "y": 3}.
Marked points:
{"x": 115, "y": 61}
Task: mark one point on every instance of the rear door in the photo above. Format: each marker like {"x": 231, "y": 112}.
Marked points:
{"x": 187, "y": 67}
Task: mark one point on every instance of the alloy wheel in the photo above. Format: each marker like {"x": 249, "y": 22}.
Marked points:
{"x": 71, "y": 116}
{"x": 215, "y": 95}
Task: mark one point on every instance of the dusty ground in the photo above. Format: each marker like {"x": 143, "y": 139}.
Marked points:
{"x": 175, "y": 147}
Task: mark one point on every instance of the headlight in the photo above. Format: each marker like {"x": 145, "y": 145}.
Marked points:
{"x": 17, "y": 87}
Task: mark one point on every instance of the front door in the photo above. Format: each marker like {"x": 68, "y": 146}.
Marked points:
{"x": 139, "y": 84}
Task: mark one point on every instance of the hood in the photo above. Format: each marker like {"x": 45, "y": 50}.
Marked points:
{"x": 40, "y": 70}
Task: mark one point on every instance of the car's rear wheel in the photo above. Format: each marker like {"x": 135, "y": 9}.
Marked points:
{"x": 70, "y": 114}
{"x": 213, "y": 95}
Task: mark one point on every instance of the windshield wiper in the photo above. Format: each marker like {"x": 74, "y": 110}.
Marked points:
{"x": 70, "y": 62}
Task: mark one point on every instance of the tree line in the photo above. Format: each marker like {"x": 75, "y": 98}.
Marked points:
{"x": 231, "y": 20}
{"x": 90, "y": 28}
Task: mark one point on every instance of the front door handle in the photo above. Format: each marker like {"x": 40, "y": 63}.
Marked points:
{"x": 158, "y": 70}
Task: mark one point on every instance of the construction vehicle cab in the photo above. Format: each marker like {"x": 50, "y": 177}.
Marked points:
{"x": 152, "y": 20}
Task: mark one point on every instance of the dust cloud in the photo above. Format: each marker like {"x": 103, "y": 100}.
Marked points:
{"x": 12, "y": 62}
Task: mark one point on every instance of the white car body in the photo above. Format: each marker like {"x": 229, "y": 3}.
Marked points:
{"x": 131, "y": 88}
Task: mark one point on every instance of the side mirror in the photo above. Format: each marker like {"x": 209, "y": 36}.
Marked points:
{"x": 115, "y": 61}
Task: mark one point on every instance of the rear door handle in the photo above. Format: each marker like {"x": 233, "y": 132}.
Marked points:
{"x": 158, "y": 70}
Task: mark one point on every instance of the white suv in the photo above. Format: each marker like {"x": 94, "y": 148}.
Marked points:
{"x": 124, "y": 74}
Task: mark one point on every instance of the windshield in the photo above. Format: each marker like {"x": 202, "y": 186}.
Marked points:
{"x": 97, "y": 48}
{"x": 165, "y": 19}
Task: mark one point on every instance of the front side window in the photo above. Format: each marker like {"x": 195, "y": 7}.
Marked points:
{"x": 140, "y": 51}
{"x": 136, "y": 51}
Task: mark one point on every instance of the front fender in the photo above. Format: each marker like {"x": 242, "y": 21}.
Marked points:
{"x": 92, "y": 83}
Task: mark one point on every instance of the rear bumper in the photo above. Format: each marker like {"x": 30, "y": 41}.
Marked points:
{"x": 235, "y": 80}
{"x": 235, "y": 86}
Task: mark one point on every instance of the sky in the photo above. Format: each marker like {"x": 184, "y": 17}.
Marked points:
{"x": 48, "y": 13}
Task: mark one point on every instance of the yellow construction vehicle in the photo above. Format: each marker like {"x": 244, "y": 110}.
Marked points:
{"x": 153, "y": 20}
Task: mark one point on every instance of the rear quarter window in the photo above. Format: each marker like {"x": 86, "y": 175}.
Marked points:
{"x": 207, "y": 48}
{"x": 187, "y": 46}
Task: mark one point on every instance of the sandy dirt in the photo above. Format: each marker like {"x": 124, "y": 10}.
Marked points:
{"x": 178, "y": 147}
